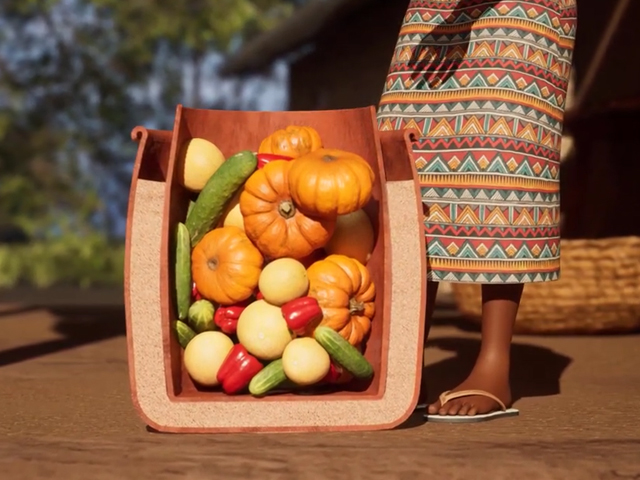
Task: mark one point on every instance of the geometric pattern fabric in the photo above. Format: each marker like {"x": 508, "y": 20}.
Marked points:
{"x": 484, "y": 83}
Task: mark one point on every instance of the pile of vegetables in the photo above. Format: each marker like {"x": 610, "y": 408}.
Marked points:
{"x": 272, "y": 286}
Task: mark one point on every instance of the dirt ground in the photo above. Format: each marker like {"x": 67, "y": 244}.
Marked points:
{"x": 66, "y": 413}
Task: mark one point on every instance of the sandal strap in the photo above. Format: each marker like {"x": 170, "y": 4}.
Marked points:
{"x": 448, "y": 396}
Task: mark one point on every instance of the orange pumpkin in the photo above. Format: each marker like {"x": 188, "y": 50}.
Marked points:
{"x": 345, "y": 292}
{"x": 225, "y": 266}
{"x": 272, "y": 221}
{"x": 292, "y": 141}
{"x": 328, "y": 182}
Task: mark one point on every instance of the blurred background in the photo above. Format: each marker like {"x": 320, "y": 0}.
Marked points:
{"x": 77, "y": 75}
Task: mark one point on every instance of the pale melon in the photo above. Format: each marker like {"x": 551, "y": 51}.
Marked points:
{"x": 353, "y": 237}
{"x": 232, "y": 215}
{"x": 199, "y": 160}
{"x": 283, "y": 280}
{"x": 305, "y": 362}
{"x": 204, "y": 355}
{"x": 263, "y": 331}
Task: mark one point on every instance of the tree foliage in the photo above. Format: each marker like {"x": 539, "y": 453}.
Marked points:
{"x": 77, "y": 75}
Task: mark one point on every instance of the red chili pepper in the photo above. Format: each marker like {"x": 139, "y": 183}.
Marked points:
{"x": 259, "y": 295}
{"x": 195, "y": 294}
{"x": 301, "y": 312}
{"x": 264, "y": 158}
{"x": 237, "y": 370}
{"x": 226, "y": 318}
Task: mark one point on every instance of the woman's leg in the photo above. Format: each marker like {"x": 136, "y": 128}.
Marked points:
{"x": 491, "y": 371}
{"x": 432, "y": 293}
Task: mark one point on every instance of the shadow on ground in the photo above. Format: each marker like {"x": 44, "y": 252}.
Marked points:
{"x": 15, "y": 310}
{"x": 78, "y": 326}
{"x": 535, "y": 371}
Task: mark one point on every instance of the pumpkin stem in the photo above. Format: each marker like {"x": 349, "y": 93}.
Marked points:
{"x": 328, "y": 158}
{"x": 356, "y": 307}
{"x": 212, "y": 263}
{"x": 286, "y": 209}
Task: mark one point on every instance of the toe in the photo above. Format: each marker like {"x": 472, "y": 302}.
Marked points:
{"x": 449, "y": 408}
{"x": 473, "y": 410}
{"x": 464, "y": 409}
{"x": 454, "y": 408}
{"x": 433, "y": 408}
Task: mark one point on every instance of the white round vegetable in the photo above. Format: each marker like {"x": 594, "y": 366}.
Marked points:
{"x": 305, "y": 362}
{"x": 232, "y": 215}
{"x": 353, "y": 237}
{"x": 204, "y": 356}
{"x": 283, "y": 280}
{"x": 263, "y": 331}
{"x": 199, "y": 160}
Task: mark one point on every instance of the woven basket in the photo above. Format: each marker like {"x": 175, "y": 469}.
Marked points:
{"x": 598, "y": 292}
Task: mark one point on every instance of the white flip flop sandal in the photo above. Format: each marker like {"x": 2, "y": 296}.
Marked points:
{"x": 448, "y": 396}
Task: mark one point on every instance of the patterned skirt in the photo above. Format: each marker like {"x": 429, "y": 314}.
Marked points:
{"x": 484, "y": 83}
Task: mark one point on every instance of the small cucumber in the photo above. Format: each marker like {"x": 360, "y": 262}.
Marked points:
{"x": 183, "y": 271}
{"x": 201, "y": 316}
{"x": 343, "y": 352}
{"x": 218, "y": 192}
{"x": 267, "y": 379}
{"x": 183, "y": 333}
{"x": 190, "y": 207}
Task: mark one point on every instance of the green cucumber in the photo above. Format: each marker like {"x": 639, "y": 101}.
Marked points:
{"x": 343, "y": 352}
{"x": 183, "y": 333}
{"x": 183, "y": 271}
{"x": 217, "y": 193}
{"x": 190, "y": 207}
{"x": 267, "y": 379}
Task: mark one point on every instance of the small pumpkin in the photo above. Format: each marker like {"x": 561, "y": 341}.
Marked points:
{"x": 330, "y": 182}
{"x": 271, "y": 219}
{"x": 292, "y": 141}
{"x": 345, "y": 291}
{"x": 226, "y": 266}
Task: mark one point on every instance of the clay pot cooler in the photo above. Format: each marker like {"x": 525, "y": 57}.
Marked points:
{"x": 163, "y": 394}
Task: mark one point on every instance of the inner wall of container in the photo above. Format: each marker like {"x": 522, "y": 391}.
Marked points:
{"x": 234, "y": 131}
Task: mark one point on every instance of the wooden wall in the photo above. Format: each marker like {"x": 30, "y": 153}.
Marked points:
{"x": 350, "y": 63}
{"x": 351, "y": 58}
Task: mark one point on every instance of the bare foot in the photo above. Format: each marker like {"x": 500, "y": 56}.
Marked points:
{"x": 489, "y": 376}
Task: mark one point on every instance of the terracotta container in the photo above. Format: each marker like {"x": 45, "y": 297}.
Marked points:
{"x": 163, "y": 393}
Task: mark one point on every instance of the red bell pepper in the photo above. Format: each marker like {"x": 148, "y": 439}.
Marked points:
{"x": 259, "y": 295}
{"x": 333, "y": 375}
{"x": 264, "y": 158}
{"x": 237, "y": 370}
{"x": 195, "y": 294}
{"x": 300, "y": 313}
{"x": 226, "y": 318}
{"x": 337, "y": 375}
